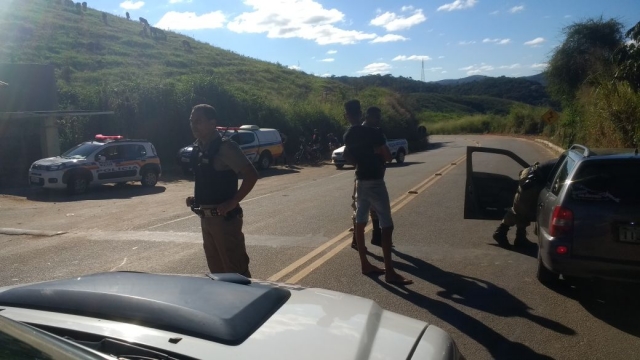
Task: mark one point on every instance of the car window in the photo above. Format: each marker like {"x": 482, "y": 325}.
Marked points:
{"x": 134, "y": 151}
{"x": 562, "y": 174}
{"x": 554, "y": 171}
{"x": 615, "y": 181}
{"x": 246, "y": 138}
{"x": 81, "y": 151}
{"x": 236, "y": 138}
{"x": 12, "y": 348}
{"x": 111, "y": 153}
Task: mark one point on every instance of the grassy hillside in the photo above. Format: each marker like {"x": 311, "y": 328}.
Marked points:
{"x": 152, "y": 83}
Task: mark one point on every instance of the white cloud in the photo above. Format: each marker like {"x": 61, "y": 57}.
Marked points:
{"x": 130, "y": 5}
{"x": 535, "y": 42}
{"x": 440, "y": 57}
{"x": 434, "y": 69}
{"x": 328, "y": 60}
{"x": 539, "y": 66}
{"x": 444, "y": 72}
{"x": 331, "y": 52}
{"x": 376, "y": 68}
{"x": 325, "y": 75}
{"x": 190, "y": 21}
{"x": 516, "y": 9}
{"x": 179, "y": 1}
{"x": 305, "y": 19}
{"x": 294, "y": 67}
{"x": 392, "y": 22}
{"x": 567, "y": 16}
{"x": 407, "y": 8}
{"x": 494, "y": 12}
{"x": 477, "y": 69}
{"x": 411, "y": 58}
{"x": 458, "y": 5}
{"x": 497, "y": 41}
{"x": 388, "y": 38}
{"x": 513, "y": 66}
{"x": 466, "y": 42}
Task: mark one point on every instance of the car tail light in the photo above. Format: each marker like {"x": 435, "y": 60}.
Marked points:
{"x": 561, "y": 222}
{"x": 562, "y": 250}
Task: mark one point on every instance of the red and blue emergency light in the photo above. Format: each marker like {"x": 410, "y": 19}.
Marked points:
{"x": 101, "y": 137}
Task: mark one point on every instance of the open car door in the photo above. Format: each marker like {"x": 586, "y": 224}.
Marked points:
{"x": 488, "y": 195}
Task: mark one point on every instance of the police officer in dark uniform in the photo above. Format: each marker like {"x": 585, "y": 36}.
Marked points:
{"x": 217, "y": 162}
{"x": 532, "y": 181}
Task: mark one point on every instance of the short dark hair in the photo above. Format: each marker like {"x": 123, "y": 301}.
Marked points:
{"x": 207, "y": 110}
{"x": 374, "y": 111}
{"x": 352, "y": 108}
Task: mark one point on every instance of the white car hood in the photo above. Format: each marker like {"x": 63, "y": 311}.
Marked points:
{"x": 312, "y": 324}
{"x": 55, "y": 160}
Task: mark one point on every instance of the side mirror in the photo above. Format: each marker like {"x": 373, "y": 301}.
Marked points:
{"x": 101, "y": 158}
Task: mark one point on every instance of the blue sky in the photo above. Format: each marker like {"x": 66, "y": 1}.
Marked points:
{"x": 455, "y": 38}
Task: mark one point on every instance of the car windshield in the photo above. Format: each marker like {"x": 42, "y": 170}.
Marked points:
{"x": 608, "y": 181}
{"x": 81, "y": 151}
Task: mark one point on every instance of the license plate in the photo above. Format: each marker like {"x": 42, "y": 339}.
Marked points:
{"x": 629, "y": 234}
{"x": 35, "y": 179}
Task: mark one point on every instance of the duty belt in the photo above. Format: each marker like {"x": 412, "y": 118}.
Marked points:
{"x": 213, "y": 212}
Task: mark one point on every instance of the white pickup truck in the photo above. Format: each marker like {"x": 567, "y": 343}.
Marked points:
{"x": 399, "y": 149}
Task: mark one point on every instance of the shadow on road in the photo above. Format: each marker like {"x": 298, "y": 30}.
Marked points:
{"x": 530, "y": 250}
{"x": 438, "y": 145}
{"x": 614, "y": 303}
{"x": 477, "y": 294}
{"x": 102, "y": 192}
{"x": 406, "y": 163}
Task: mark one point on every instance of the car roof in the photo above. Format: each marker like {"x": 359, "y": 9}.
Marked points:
{"x": 220, "y": 311}
{"x": 602, "y": 153}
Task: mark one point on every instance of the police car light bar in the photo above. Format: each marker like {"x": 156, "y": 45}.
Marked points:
{"x": 112, "y": 137}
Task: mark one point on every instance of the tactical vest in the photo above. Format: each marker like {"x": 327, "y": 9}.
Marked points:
{"x": 212, "y": 187}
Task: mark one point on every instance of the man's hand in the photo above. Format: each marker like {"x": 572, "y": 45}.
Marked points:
{"x": 190, "y": 201}
{"x": 226, "y": 206}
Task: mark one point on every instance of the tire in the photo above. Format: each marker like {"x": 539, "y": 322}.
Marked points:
{"x": 265, "y": 160}
{"x": 546, "y": 276}
{"x": 339, "y": 166}
{"x": 77, "y": 185}
{"x": 400, "y": 157}
{"x": 149, "y": 178}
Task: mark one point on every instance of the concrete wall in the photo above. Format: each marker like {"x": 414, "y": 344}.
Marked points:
{"x": 22, "y": 141}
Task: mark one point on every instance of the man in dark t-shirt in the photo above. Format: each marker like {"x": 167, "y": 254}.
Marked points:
{"x": 366, "y": 147}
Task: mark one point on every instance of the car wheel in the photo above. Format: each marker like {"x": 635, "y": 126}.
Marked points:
{"x": 77, "y": 185}
{"x": 149, "y": 178}
{"x": 265, "y": 161}
{"x": 339, "y": 166}
{"x": 400, "y": 157}
{"x": 546, "y": 276}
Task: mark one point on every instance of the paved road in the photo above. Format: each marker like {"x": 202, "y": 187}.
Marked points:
{"x": 296, "y": 225}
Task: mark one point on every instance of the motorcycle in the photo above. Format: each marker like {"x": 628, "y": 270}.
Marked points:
{"x": 307, "y": 154}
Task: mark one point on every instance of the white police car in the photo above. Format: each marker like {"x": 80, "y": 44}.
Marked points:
{"x": 127, "y": 315}
{"x": 108, "y": 159}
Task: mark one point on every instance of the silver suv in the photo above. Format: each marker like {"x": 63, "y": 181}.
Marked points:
{"x": 588, "y": 216}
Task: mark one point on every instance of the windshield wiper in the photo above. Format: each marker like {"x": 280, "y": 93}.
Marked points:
{"x": 123, "y": 350}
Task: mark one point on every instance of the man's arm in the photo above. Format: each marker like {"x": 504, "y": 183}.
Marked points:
{"x": 384, "y": 152}
{"x": 233, "y": 156}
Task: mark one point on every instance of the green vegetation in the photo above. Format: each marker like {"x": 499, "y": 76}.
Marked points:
{"x": 151, "y": 84}
{"x": 596, "y": 76}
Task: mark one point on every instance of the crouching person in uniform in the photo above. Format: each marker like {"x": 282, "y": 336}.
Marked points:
{"x": 217, "y": 162}
{"x": 523, "y": 212}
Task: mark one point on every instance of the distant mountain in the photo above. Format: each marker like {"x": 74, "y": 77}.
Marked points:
{"x": 539, "y": 78}
{"x": 460, "y": 81}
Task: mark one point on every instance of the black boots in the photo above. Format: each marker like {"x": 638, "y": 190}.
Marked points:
{"x": 521, "y": 238}
{"x": 500, "y": 235}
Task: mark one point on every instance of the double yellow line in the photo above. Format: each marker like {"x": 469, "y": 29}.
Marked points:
{"x": 344, "y": 238}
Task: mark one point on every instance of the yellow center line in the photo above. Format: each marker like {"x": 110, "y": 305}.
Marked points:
{"x": 346, "y": 235}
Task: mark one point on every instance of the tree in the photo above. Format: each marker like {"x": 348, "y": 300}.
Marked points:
{"x": 628, "y": 59}
{"x": 586, "y": 52}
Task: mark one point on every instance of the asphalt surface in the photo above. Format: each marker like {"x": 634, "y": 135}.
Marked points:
{"x": 296, "y": 226}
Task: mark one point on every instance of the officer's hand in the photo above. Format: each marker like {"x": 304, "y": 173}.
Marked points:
{"x": 226, "y": 206}
{"x": 190, "y": 200}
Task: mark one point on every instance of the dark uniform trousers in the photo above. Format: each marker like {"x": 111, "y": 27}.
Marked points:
{"x": 224, "y": 245}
